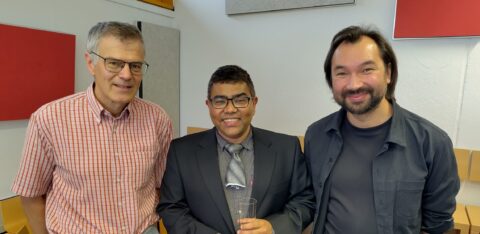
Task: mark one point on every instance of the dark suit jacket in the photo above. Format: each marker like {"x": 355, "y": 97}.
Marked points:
{"x": 192, "y": 199}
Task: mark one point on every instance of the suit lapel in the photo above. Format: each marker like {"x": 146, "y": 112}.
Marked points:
{"x": 207, "y": 159}
{"x": 264, "y": 163}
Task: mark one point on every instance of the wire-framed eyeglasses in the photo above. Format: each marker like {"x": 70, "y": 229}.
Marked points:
{"x": 116, "y": 65}
{"x": 220, "y": 102}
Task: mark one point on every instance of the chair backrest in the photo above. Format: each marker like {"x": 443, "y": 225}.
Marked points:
{"x": 161, "y": 227}
{"x": 463, "y": 161}
{"x": 23, "y": 230}
{"x": 191, "y": 130}
{"x": 14, "y": 219}
{"x": 475, "y": 166}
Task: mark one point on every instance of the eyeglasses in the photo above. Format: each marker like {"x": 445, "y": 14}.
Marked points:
{"x": 116, "y": 65}
{"x": 220, "y": 102}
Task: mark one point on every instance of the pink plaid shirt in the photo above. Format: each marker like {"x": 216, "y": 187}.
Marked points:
{"x": 99, "y": 173}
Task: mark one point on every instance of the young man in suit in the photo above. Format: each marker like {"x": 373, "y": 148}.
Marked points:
{"x": 197, "y": 195}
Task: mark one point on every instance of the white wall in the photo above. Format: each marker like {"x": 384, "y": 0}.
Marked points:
{"x": 284, "y": 53}
{"x": 66, "y": 16}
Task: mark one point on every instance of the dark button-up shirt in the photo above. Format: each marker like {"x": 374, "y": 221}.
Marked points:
{"x": 415, "y": 178}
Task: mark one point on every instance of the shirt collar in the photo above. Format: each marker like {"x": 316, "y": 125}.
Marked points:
{"x": 99, "y": 112}
{"x": 336, "y": 122}
{"x": 247, "y": 143}
{"x": 396, "y": 133}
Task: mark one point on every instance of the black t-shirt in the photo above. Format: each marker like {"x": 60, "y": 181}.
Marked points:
{"x": 351, "y": 206}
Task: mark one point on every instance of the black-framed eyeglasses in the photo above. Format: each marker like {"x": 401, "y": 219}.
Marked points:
{"x": 116, "y": 65}
{"x": 220, "y": 102}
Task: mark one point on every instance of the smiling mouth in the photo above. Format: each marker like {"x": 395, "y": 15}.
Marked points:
{"x": 123, "y": 86}
{"x": 357, "y": 95}
{"x": 357, "y": 98}
{"x": 231, "y": 121}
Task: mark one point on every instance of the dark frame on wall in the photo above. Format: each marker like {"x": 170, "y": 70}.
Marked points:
{"x": 168, "y": 4}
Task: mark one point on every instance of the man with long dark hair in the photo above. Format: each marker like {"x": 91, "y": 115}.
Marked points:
{"x": 376, "y": 167}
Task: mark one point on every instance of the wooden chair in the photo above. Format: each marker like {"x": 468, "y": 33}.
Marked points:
{"x": 301, "y": 138}
{"x": 474, "y": 215}
{"x": 474, "y": 211}
{"x": 475, "y": 167}
{"x": 14, "y": 219}
{"x": 463, "y": 161}
{"x": 460, "y": 217}
{"x": 191, "y": 130}
{"x": 161, "y": 227}
{"x": 462, "y": 224}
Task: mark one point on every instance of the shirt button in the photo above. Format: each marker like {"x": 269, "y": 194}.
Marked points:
{"x": 320, "y": 184}
{"x": 330, "y": 160}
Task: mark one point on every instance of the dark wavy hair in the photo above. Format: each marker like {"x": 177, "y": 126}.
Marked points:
{"x": 353, "y": 34}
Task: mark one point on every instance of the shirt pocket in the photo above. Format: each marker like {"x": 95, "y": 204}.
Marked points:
{"x": 141, "y": 169}
{"x": 409, "y": 198}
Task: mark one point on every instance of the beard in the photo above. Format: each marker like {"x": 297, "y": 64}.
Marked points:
{"x": 363, "y": 107}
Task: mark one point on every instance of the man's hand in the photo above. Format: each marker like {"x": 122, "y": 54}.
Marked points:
{"x": 251, "y": 225}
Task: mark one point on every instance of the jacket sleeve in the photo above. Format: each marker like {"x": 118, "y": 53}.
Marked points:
{"x": 298, "y": 211}
{"x": 441, "y": 187}
{"x": 173, "y": 208}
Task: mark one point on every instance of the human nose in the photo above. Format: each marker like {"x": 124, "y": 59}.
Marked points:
{"x": 125, "y": 73}
{"x": 229, "y": 108}
{"x": 355, "y": 82}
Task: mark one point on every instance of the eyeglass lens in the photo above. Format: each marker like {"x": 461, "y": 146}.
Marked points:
{"x": 114, "y": 65}
{"x": 238, "y": 102}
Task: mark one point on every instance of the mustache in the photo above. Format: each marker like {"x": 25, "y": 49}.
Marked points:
{"x": 357, "y": 91}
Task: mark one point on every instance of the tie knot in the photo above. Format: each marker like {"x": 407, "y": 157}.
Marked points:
{"x": 233, "y": 148}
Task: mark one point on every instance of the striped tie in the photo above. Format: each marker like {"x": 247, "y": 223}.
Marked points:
{"x": 235, "y": 173}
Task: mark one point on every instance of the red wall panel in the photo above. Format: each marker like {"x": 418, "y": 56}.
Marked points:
{"x": 36, "y": 67}
{"x": 437, "y": 18}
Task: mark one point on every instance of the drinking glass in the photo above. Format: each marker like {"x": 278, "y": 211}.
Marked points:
{"x": 246, "y": 208}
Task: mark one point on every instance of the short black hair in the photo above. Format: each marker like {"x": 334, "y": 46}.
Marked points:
{"x": 230, "y": 74}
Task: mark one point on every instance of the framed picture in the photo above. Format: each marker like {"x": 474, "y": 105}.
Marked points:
{"x": 249, "y": 6}
{"x": 168, "y": 4}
